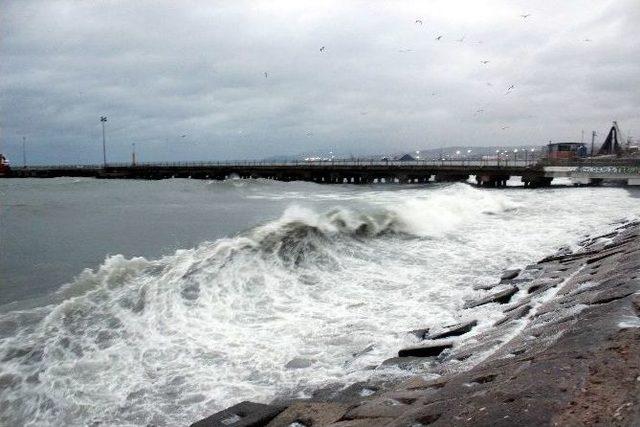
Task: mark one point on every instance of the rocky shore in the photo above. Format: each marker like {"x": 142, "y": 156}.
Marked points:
{"x": 566, "y": 351}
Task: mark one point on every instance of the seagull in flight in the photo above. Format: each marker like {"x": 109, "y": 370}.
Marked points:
{"x": 438, "y": 38}
{"x": 266, "y": 75}
{"x": 505, "y": 127}
{"x": 511, "y": 87}
{"x": 525, "y": 16}
{"x": 588, "y": 40}
{"x": 489, "y": 84}
{"x": 322, "y": 49}
{"x": 461, "y": 39}
{"x": 419, "y": 21}
{"x": 484, "y": 62}
{"x": 480, "y": 111}
{"x": 183, "y": 136}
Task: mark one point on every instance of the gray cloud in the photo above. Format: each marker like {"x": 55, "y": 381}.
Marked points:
{"x": 160, "y": 70}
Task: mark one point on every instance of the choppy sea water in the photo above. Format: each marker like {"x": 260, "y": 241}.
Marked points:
{"x": 238, "y": 290}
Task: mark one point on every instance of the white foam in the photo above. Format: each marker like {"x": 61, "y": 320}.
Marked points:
{"x": 171, "y": 340}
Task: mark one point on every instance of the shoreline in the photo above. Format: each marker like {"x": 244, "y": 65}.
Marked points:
{"x": 566, "y": 351}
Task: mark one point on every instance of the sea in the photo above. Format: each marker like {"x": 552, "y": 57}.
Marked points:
{"x": 127, "y": 302}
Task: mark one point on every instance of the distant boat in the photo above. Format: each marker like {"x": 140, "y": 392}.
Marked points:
{"x": 4, "y": 165}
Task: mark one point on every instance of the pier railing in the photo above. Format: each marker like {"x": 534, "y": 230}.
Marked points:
{"x": 309, "y": 163}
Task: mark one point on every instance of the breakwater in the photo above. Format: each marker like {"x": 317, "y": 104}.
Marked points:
{"x": 565, "y": 351}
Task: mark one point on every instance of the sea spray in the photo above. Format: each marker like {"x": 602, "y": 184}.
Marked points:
{"x": 314, "y": 297}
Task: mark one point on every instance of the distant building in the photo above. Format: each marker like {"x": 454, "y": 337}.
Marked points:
{"x": 566, "y": 150}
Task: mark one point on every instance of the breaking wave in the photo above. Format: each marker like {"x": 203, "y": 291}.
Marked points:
{"x": 284, "y": 305}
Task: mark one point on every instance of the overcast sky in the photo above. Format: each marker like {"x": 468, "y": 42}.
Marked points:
{"x": 161, "y": 70}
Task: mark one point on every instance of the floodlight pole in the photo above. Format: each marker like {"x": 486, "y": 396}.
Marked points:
{"x": 24, "y": 151}
{"x": 103, "y": 120}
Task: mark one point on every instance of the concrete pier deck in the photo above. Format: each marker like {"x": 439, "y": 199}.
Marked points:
{"x": 487, "y": 173}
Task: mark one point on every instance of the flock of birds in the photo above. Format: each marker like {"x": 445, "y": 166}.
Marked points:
{"x": 439, "y": 37}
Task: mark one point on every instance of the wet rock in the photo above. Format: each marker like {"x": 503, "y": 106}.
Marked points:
{"x": 310, "y": 414}
{"x": 427, "y": 350}
{"x": 364, "y": 351}
{"x": 510, "y": 274}
{"x": 299, "y": 363}
{"x": 244, "y": 414}
{"x": 364, "y": 422}
{"x": 420, "y": 383}
{"x": 420, "y": 333}
{"x": 382, "y": 407}
{"x": 486, "y": 287}
{"x": 353, "y": 393}
{"x": 408, "y": 363}
{"x": 452, "y": 330}
{"x": 515, "y": 314}
{"x": 501, "y": 297}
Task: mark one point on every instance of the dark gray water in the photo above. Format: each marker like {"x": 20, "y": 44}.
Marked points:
{"x": 50, "y": 230}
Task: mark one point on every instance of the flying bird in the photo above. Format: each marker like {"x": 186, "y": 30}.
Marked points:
{"x": 461, "y": 39}
{"x": 511, "y": 87}
{"x": 419, "y": 21}
{"x": 438, "y": 38}
{"x": 587, "y": 40}
{"x": 266, "y": 75}
{"x": 505, "y": 128}
{"x": 405, "y": 50}
{"x": 489, "y": 84}
{"x": 322, "y": 49}
{"x": 484, "y": 62}
{"x": 183, "y": 136}
{"x": 525, "y": 16}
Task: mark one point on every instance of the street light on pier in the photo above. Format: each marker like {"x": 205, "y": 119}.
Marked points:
{"x": 103, "y": 120}
{"x": 24, "y": 152}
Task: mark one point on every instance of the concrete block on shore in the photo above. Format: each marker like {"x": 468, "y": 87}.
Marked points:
{"x": 244, "y": 414}
{"x": 310, "y": 414}
{"x": 427, "y": 350}
{"x": 501, "y": 297}
{"x": 452, "y": 330}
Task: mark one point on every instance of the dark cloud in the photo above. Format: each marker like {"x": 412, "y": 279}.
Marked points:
{"x": 161, "y": 70}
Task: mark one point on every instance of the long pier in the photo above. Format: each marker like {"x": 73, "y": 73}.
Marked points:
{"x": 492, "y": 173}
{"x": 487, "y": 173}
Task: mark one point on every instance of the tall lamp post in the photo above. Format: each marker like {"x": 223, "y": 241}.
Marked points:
{"x": 24, "y": 152}
{"x": 103, "y": 120}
